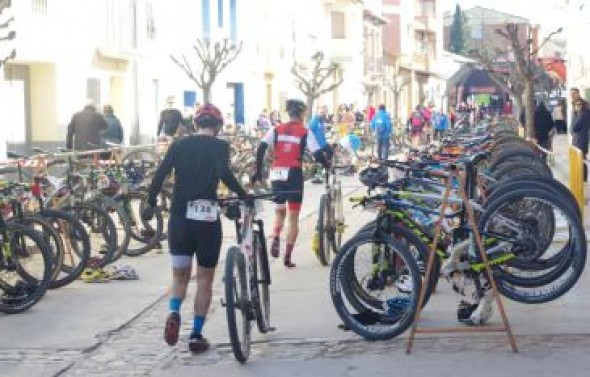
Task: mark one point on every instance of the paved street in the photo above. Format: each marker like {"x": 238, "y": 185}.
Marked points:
{"x": 115, "y": 329}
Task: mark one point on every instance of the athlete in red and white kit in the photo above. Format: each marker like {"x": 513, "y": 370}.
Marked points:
{"x": 288, "y": 142}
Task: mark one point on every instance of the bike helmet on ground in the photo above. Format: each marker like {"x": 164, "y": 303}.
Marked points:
{"x": 295, "y": 108}
{"x": 208, "y": 116}
{"x": 372, "y": 177}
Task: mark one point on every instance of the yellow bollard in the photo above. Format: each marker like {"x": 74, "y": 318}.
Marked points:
{"x": 576, "y": 160}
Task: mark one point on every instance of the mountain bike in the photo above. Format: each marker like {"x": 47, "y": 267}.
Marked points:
{"x": 25, "y": 266}
{"x": 247, "y": 275}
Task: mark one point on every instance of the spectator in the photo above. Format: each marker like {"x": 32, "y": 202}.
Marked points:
{"x": 263, "y": 124}
{"x": 543, "y": 125}
{"x": 275, "y": 117}
{"x": 170, "y": 120}
{"x": 416, "y": 123}
{"x": 114, "y": 131}
{"x": 381, "y": 126}
{"x": 559, "y": 112}
{"x": 440, "y": 123}
{"x": 580, "y": 129}
{"x": 85, "y": 128}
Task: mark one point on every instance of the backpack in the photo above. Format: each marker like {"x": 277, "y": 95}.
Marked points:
{"x": 417, "y": 120}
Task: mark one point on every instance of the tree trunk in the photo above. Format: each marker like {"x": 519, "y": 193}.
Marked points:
{"x": 517, "y": 105}
{"x": 395, "y": 110}
{"x": 529, "y": 107}
{"x": 309, "y": 103}
{"x": 207, "y": 93}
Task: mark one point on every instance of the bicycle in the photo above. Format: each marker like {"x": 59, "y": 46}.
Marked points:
{"x": 330, "y": 225}
{"x": 24, "y": 279}
{"x": 247, "y": 275}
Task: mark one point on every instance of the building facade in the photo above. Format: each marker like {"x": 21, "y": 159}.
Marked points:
{"x": 119, "y": 52}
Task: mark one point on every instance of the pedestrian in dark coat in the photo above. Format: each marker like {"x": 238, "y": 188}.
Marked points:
{"x": 85, "y": 128}
{"x": 580, "y": 129}
{"x": 543, "y": 125}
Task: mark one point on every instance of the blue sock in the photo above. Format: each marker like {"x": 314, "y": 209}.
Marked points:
{"x": 198, "y": 322}
{"x": 174, "y": 304}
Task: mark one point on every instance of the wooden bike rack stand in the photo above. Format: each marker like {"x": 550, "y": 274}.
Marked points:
{"x": 454, "y": 173}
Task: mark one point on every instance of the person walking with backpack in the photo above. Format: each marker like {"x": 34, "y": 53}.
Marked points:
{"x": 381, "y": 126}
{"x": 416, "y": 127}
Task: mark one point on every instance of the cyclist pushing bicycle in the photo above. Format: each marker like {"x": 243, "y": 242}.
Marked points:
{"x": 199, "y": 162}
{"x": 288, "y": 141}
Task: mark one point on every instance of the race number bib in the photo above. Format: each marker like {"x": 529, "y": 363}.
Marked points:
{"x": 279, "y": 174}
{"x": 201, "y": 210}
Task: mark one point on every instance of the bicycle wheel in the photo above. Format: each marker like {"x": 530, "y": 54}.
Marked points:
{"x": 412, "y": 242}
{"x": 520, "y": 234}
{"x": 261, "y": 279}
{"x": 238, "y": 308}
{"x": 100, "y": 228}
{"x": 76, "y": 245}
{"x": 25, "y": 268}
{"x": 398, "y": 297}
{"x": 121, "y": 221}
{"x": 325, "y": 230}
{"x": 50, "y": 236}
{"x": 338, "y": 218}
{"x": 145, "y": 235}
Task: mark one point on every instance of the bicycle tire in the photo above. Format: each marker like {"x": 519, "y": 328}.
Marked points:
{"x": 261, "y": 278}
{"x": 99, "y": 222}
{"x": 339, "y": 218}
{"x": 578, "y": 240}
{"x": 423, "y": 249}
{"x": 50, "y": 236}
{"x": 324, "y": 229}
{"x": 236, "y": 299}
{"x": 153, "y": 228}
{"x": 76, "y": 245}
{"x": 341, "y": 290}
{"x": 121, "y": 221}
{"x": 13, "y": 305}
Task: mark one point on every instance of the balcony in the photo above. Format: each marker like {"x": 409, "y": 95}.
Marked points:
{"x": 373, "y": 66}
{"x": 417, "y": 61}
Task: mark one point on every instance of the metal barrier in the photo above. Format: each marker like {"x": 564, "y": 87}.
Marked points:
{"x": 576, "y": 160}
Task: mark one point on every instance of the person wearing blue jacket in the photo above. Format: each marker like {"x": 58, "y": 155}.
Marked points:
{"x": 441, "y": 124}
{"x": 317, "y": 126}
{"x": 381, "y": 126}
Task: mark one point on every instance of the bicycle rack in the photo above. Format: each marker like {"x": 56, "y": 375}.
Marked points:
{"x": 454, "y": 173}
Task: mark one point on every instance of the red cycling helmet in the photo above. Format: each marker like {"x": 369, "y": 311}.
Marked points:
{"x": 208, "y": 116}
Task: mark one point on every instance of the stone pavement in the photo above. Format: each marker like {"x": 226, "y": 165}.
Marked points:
{"x": 115, "y": 329}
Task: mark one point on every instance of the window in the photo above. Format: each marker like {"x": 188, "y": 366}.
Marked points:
{"x": 39, "y": 6}
{"x": 338, "y": 25}
{"x": 425, "y": 8}
{"x": 93, "y": 89}
{"x": 150, "y": 22}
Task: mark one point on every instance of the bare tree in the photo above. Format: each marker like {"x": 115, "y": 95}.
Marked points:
{"x": 10, "y": 35}
{"x": 212, "y": 60}
{"x": 313, "y": 82}
{"x": 525, "y": 68}
{"x": 396, "y": 84}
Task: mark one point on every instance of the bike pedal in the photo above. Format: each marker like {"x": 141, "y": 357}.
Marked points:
{"x": 222, "y": 301}
{"x": 271, "y": 328}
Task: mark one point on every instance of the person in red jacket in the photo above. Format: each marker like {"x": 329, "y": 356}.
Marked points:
{"x": 288, "y": 142}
